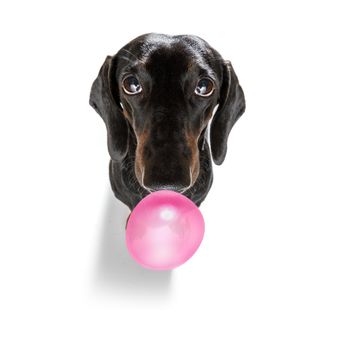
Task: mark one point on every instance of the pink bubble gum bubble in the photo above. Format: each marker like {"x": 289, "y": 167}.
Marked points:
{"x": 164, "y": 230}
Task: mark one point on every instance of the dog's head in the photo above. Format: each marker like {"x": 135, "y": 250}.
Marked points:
{"x": 160, "y": 92}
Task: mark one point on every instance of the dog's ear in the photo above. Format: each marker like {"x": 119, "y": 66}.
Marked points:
{"x": 231, "y": 107}
{"x": 104, "y": 98}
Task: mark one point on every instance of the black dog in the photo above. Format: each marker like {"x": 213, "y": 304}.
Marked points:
{"x": 156, "y": 97}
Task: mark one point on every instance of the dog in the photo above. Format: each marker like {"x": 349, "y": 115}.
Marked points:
{"x": 157, "y": 96}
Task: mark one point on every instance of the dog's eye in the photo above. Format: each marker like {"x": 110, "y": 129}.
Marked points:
{"x": 205, "y": 87}
{"x": 131, "y": 85}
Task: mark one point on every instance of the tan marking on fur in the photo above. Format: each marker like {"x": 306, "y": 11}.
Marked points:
{"x": 139, "y": 164}
{"x": 127, "y": 116}
{"x": 192, "y": 142}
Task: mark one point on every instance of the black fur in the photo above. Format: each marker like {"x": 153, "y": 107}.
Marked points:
{"x": 158, "y": 139}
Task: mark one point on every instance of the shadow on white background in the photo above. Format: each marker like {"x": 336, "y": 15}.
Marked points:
{"x": 116, "y": 270}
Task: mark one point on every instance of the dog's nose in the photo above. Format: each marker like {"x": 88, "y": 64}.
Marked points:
{"x": 176, "y": 188}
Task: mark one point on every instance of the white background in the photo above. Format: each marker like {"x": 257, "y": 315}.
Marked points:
{"x": 273, "y": 270}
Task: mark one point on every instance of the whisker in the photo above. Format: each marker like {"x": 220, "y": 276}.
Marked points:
{"x": 126, "y": 59}
{"x": 130, "y": 53}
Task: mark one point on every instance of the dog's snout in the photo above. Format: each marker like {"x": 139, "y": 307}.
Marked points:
{"x": 166, "y": 177}
{"x": 165, "y": 161}
{"x": 156, "y": 180}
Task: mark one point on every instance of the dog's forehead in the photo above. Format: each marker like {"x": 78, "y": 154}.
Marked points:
{"x": 178, "y": 53}
{"x": 151, "y": 42}
{"x": 174, "y": 58}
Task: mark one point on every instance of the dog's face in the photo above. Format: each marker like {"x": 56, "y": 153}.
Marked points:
{"x": 168, "y": 94}
{"x": 160, "y": 92}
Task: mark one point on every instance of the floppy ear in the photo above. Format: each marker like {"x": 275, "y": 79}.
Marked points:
{"x": 104, "y": 98}
{"x": 231, "y": 107}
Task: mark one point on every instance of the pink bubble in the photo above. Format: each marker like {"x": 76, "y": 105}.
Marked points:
{"x": 164, "y": 230}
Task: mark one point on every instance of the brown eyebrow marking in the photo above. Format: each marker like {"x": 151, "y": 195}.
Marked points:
{"x": 190, "y": 65}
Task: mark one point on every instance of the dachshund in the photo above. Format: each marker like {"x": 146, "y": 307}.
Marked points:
{"x": 157, "y": 96}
